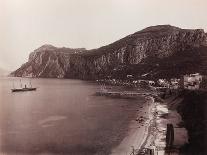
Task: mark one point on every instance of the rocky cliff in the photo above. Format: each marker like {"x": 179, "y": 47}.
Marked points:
{"x": 125, "y": 56}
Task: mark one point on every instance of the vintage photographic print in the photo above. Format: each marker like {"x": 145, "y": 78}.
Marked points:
{"x": 103, "y": 77}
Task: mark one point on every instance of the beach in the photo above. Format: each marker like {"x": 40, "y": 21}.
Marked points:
{"x": 150, "y": 134}
{"x": 165, "y": 113}
{"x": 138, "y": 130}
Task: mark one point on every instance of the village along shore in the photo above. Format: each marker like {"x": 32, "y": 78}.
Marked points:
{"x": 163, "y": 131}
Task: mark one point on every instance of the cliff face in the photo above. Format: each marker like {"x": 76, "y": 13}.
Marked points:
{"x": 47, "y": 61}
{"x": 157, "y": 42}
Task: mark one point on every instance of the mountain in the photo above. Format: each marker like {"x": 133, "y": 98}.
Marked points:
{"x": 157, "y": 51}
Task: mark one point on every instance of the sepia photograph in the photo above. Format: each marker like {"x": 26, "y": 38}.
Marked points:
{"x": 103, "y": 77}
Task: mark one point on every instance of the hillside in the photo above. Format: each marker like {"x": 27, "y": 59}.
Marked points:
{"x": 156, "y": 51}
{"x": 188, "y": 61}
{"x": 193, "y": 111}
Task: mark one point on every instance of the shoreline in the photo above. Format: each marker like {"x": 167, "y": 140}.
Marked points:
{"x": 138, "y": 130}
{"x": 152, "y": 134}
{"x": 166, "y": 113}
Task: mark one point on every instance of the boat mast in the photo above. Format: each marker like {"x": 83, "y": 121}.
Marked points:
{"x": 20, "y": 83}
{"x": 13, "y": 84}
{"x": 30, "y": 83}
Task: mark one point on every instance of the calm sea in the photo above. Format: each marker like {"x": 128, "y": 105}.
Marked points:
{"x": 61, "y": 117}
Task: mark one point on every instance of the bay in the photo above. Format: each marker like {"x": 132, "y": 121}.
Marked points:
{"x": 61, "y": 117}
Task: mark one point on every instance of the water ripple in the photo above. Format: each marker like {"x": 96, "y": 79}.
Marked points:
{"x": 48, "y": 122}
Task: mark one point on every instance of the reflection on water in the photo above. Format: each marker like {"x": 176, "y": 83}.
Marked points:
{"x": 61, "y": 117}
{"x": 49, "y": 121}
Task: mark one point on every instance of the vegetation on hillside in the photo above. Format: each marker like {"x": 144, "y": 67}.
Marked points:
{"x": 193, "y": 110}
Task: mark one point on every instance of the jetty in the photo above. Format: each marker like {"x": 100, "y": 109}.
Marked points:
{"x": 124, "y": 93}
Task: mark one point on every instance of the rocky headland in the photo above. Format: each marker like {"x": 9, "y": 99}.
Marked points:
{"x": 154, "y": 52}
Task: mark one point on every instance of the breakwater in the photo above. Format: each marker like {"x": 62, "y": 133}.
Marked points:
{"x": 122, "y": 94}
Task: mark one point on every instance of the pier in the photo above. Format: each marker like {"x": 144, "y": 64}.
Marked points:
{"x": 124, "y": 93}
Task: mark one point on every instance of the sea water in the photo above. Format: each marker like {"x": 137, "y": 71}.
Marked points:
{"x": 61, "y": 117}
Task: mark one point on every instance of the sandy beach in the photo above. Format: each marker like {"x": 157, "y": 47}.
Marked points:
{"x": 151, "y": 132}
{"x": 138, "y": 131}
{"x": 165, "y": 112}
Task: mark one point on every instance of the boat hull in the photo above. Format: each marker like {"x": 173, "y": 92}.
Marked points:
{"x": 23, "y": 89}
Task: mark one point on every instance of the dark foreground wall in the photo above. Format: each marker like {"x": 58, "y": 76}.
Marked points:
{"x": 193, "y": 110}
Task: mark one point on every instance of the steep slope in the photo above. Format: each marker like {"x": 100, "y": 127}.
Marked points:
{"x": 47, "y": 61}
{"x": 136, "y": 51}
{"x": 182, "y": 62}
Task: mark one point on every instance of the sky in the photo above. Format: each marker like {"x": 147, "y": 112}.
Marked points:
{"x": 26, "y": 25}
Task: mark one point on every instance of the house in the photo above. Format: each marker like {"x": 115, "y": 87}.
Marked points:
{"x": 151, "y": 83}
{"x": 163, "y": 83}
{"x": 174, "y": 83}
{"x": 130, "y": 76}
{"x": 192, "y": 81}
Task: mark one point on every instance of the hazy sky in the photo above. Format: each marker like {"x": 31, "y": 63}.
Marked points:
{"x": 27, "y": 24}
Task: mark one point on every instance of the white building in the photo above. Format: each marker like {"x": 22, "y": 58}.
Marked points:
{"x": 163, "y": 83}
{"x": 192, "y": 81}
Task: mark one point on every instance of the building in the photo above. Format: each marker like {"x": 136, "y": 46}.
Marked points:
{"x": 174, "y": 83}
{"x": 163, "y": 83}
{"x": 192, "y": 81}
